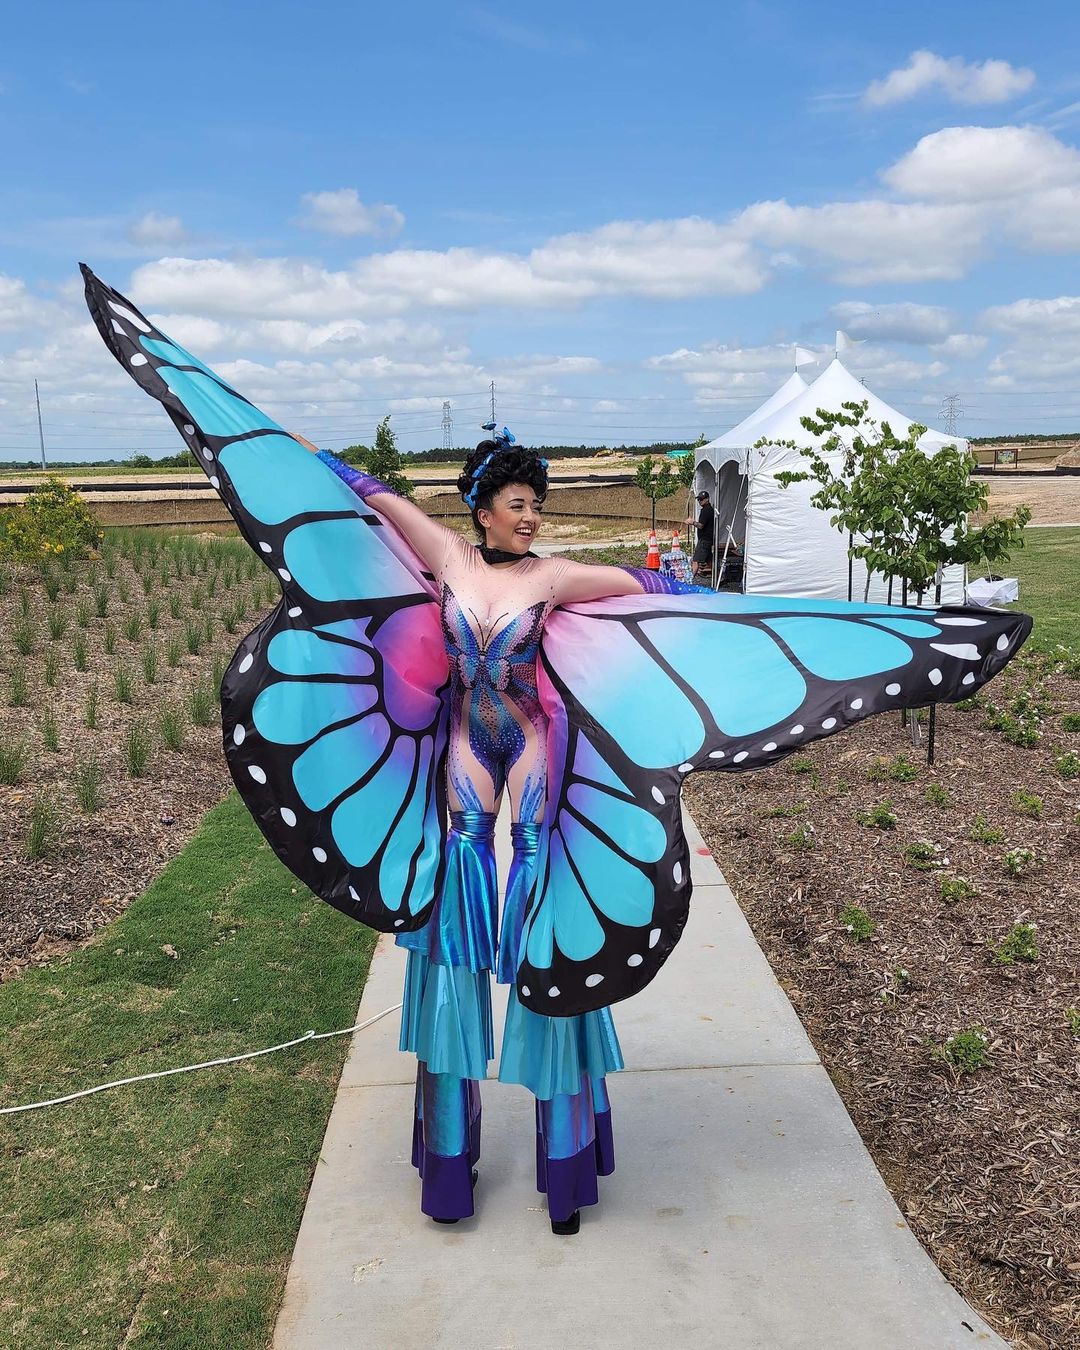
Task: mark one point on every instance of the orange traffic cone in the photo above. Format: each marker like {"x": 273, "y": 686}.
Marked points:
{"x": 652, "y": 560}
{"x": 675, "y": 545}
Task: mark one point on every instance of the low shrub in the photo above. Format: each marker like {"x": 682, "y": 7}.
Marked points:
{"x": 1027, "y": 803}
{"x": 1018, "y": 944}
{"x": 858, "y": 923}
{"x": 879, "y": 817}
{"x": 52, "y": 521}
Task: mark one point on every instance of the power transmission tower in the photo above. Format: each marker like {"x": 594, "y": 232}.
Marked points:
{"x": 951, "y": 411}
{"x": 40, "y": 432}
{"x": 493, "y": 400}
{"x": 447, "y": 426}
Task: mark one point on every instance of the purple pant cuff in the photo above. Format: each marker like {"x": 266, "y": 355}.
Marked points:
{"x": 446, "y": 1190}
{"x": 571, "y": 1183}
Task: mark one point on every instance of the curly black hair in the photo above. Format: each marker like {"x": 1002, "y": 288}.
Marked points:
{"x": 509, "y": 464}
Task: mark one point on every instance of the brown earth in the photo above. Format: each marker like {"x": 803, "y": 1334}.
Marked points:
{"x": 100, "y": 860}
{"x": 985, "y": 1165}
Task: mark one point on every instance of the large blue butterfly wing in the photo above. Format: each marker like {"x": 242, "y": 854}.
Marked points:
{"x": 334, "y": 708}
{"x": 641, "y": 691}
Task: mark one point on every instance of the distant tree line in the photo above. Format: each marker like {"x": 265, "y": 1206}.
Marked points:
{"x": 1025, "y": 437}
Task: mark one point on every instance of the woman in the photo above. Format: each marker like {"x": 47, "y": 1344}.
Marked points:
{"x": 404, "y": 671}
{"x": 494, "y": 600}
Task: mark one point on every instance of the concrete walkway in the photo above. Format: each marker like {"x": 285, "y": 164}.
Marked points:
{"x": 744, "y": 1213}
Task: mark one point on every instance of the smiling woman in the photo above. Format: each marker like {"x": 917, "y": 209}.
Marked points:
{"x": 405, "y": 672}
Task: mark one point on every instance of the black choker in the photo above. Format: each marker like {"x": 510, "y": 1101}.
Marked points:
{"x": 500, "y": 555}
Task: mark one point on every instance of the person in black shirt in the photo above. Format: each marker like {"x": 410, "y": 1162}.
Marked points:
{"x": 704, "y": 522}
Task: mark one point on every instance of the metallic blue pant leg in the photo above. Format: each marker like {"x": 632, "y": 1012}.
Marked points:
{"x": 446, "y": 1016}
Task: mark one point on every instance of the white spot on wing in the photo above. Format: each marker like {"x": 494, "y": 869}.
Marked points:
{"x": 797, "y": 729}
{"x": 770, "y": 746}
{"x": 284, "y": 574}
{"x": 554, "y": 991}
{"x": 258, "y": 774}
{"x": 963, "y": 651}
{"x": 969, "y": 678}
{"x": 828, "y": 724}
{"x": 950, "y": 622}
{"x": 634, "y": 960}
{"x": 738, "y": 759}
{"x": 246, "y": 663}
{"x": 131, "y": 317}
{"x": 893, "y": 689}
{"x": 685, "y": 768}
{"x": 716, "y": 754}
{"x": 189, "y": 430}
{"x": 206, "y": 452}
{"x": 1002, "y": 642}
{"x": 238, "y": 734}
{"x": 137, "y": 359}
{"x": 591, "y": 981}
{"x": 658, "y": 796}
{"x": 288, "y": 816}
{"x": 319, "y": 854}
{"x": 295, "y": 612}
{"x": 856, "y": 703}
{"x": 676, "y": 872}
{"x": 265, "y": 546}
{"x": 526, "y": 991}
{"x": 214, "y": 482}
{"x": 654, "y": 937}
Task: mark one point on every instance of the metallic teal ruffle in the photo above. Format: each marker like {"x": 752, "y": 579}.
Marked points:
{"x": 446, "y": 1017}
{"x": 548, "y": 1055}
{"x": 463, "y": 926}
{"x": 526, "y": 840}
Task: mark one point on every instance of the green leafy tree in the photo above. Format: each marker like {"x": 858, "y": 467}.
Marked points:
{"x": 384, "y": 460}
{"x": 358, "y": 456}
{"x": 906, "y": 512}
{"x": 656, "y": 483}
{"x": 52, "y": 521}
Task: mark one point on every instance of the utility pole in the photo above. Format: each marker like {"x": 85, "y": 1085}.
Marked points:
{"x": 951, "y": 411}
{"x": 447, "y": 426}
{"x": 40, "y": 432}
{"x": 493, "y": 400}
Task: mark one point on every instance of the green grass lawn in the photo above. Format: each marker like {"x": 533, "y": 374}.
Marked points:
{"x": 164, "y": 1213}
{"x": 1049, "y": 571}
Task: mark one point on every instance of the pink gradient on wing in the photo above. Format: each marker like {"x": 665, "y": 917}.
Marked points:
{"x": 414, "y": 656}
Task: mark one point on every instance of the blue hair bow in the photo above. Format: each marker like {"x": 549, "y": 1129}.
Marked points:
{"x": 503, "y": 441}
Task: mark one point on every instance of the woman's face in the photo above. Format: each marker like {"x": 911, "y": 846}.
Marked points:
{"x": 514, "y": 519}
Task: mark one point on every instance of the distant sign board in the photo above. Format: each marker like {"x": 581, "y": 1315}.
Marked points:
{"x": 1004, "y": 455}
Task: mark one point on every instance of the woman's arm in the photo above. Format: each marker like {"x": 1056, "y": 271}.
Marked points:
{"x": 430, "y": 540}
{"x": 582, "y": 581}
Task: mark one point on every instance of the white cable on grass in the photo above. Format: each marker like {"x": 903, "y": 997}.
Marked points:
{"x": 206, "y": 1064}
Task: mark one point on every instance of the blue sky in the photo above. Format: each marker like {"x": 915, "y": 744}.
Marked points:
{"x": 624, "y": 215}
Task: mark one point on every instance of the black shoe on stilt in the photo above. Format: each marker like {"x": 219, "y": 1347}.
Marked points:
{"x": 567, "y": 1227}
{"x": 475, "y": 1179}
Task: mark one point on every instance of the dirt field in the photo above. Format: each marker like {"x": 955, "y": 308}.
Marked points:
{"x": 1053, "y": 501}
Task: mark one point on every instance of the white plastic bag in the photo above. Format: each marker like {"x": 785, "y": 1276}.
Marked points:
{"x": 987, "y": 591}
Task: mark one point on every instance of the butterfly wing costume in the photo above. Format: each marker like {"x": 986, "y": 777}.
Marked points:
{"x": 336, "y": 713}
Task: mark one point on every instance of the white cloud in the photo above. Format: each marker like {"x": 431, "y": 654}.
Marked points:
{"x": 343, "y": 213}
{"x": 874, "y": 241}
{"x": 960, "y": 346}
{"x": 154, "y": 230}
{"x": 1036, "y": 318}
{"x": 978, "y": 164}
{"x": 959, "y": 80}
{"x": 900, "y": 322}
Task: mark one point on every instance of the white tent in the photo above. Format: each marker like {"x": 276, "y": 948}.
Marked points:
{"x": 790, "y": 546}
{"x": 725, "y": 484}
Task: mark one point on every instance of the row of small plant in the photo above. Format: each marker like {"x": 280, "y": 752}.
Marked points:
{"x": 199, "y": 708}
{"x": 965, "y": 1050}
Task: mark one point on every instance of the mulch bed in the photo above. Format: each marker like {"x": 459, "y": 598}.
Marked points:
{"x": 99, "y": 861}
{"x": 984, "y": 1164}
